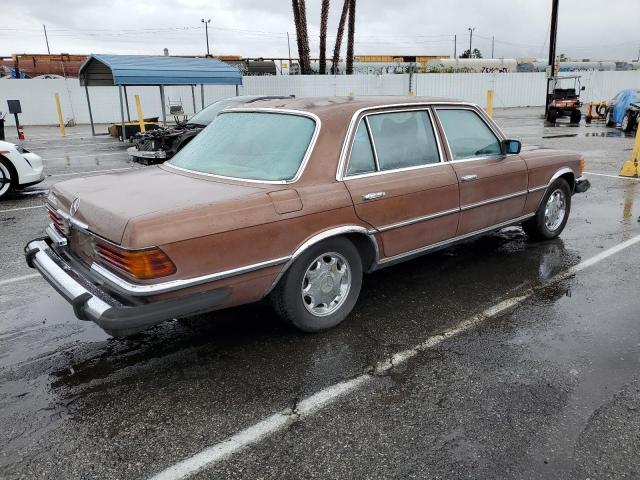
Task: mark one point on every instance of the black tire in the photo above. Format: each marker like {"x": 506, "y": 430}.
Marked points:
{"x": 287, "y": 297}
{"x": 536, "y": 228}
{"x": 587, "y": 119}
{"x": 552, "y": 115}
{"x": 8, "y": 177}
{"x": 607, "y": 120}
{"x": 627, "y": 123}
{"x": 576, "y": 115}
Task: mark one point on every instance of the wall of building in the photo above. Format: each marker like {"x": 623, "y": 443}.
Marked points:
{"x": 511, "y": 90}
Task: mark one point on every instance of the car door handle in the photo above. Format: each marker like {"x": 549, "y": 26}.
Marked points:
{"x": 469, "y": 178}
{"x": 373, "y": 196}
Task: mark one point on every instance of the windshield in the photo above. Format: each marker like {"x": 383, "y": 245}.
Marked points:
{"x": 206, "y": 116}
{"x": 249, "y": 145}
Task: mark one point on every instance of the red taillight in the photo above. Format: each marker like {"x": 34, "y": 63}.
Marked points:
{"x": 143, "y": 264}
{"x": 56, "y": 220}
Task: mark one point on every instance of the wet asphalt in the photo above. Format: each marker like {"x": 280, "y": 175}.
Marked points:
{"x": 549, "y": 389}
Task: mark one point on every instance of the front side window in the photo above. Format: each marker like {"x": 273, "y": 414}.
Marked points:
{"x": 249, "y": 145}
{"x": 403, "y": 139}
{"x": 468, "y": 135}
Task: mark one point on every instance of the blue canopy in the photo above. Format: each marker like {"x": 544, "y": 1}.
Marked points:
{"x": 110, "y": 70}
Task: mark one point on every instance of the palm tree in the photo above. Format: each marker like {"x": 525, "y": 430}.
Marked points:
{"x": 324, "y": 17}
{"x": 300, "y": 19}
{"x": 336, "y": 50}
{"x": 350, "y": 36}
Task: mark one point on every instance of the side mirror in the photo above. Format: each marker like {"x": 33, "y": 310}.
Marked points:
{"x": 583, "y": 88}
{"x": 511, "y": 146}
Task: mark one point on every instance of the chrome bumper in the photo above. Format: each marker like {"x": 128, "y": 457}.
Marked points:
{"x": 134, "y": 152}
{"x": 91, "y": 302}
{"x": 581, "y": 185}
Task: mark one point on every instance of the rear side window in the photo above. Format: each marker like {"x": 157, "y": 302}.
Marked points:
{"x": 361, "y": 160}
{"x": 468, "y": 135}
{"x": 403, "y": 139}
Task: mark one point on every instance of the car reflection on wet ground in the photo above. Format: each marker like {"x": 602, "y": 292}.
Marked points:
{"x": 546, "y": 389}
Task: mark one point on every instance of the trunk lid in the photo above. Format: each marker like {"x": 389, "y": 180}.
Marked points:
{"x": 106, "y": 203}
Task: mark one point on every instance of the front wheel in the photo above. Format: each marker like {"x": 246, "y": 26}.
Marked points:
{"x": 627, "y": 123}
{"x": 552, "y": 214}
{"x": 321, "y": 287}
{"x": 7, "y": 180}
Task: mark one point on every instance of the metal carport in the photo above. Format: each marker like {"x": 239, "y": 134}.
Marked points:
{"x": 145, "y": 70}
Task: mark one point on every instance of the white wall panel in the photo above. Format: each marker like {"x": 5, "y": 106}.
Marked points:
{"x": 511, "y": 90}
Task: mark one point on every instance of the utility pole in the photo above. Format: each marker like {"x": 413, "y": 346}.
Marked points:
{"x": 553, "y": 35}
{"x": 455, "y": 46}
{"x": 289, "y": 47}
{"x": 493, "y": 44}
{"x": 46, "y": 39}
{"x": 206, "y": 32}
{"x": 471, "y": 41}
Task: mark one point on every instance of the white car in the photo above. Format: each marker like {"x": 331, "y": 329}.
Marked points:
{"x": 19, "y": 168}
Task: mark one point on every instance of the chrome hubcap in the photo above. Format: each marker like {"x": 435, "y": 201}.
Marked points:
{"x": 326, "y": 284}
{"x": 555, "y": 210}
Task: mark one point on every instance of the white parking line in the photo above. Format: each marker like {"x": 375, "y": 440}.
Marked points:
{"x": 612, "y": 176}
{"x": 20, "y": 208}
{"x": 90, "y": 171}
{"x": 123, "y": 152}
{"x": 278, "y": 421}
{"x": 19, "y": 279}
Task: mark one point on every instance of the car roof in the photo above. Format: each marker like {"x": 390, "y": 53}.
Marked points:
{"x": 342, "y": 106}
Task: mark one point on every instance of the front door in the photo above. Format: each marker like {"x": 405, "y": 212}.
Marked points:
{"x": 398, "y": 180}
{"x": 493, "y": 186}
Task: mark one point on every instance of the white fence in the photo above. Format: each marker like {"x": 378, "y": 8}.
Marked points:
{"x": 511, "y": 90}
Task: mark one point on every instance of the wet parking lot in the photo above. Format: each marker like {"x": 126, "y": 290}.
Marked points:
{"x": 496, "y": 358}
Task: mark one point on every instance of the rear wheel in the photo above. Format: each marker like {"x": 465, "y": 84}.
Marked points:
{"x": 321, "y": 287}
{"x": 552, "y": 214}
{"x": 8, "y": 178}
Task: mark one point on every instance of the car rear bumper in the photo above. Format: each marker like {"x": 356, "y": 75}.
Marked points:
{"x": 134, "y": 152}
{"x": 91, "y": 302}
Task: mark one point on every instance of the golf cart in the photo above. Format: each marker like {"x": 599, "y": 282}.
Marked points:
{"x": 564, "y": 101}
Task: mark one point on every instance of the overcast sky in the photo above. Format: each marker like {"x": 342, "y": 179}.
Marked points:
{"x": 596, "y": 29}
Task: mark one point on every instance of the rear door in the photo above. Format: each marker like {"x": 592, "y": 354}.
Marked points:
{"x": 493, "y": 186}
{"x": 399, "y": 182}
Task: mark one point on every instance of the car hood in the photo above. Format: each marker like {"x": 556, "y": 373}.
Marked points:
{"x": 109, "y": 203}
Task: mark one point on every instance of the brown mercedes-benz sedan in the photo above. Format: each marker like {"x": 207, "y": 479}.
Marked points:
{"x": 294, "y": 199}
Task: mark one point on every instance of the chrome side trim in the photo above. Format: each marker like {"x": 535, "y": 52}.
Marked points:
{"x": 332, "y": 232}
{"x": 493, "y": 200}
{"x": 55, "y": 237}
{"x": 396, "y": 258}
{"x": 418, "y": 219}
{"x": 120, "y": 285}
{"x": 282, "y": 111}
{"x": 537, "y": 189}
{"x": 561, "y": 172}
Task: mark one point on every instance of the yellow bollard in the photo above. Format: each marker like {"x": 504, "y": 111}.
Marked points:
{"x": 490, "y": 103}
{"x": 59, "y": 108}
{"x": 631, "y": 167}
{"x": 140, "y": 116}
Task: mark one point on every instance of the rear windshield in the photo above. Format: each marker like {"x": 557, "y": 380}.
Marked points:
{"x": 249, "y": 145}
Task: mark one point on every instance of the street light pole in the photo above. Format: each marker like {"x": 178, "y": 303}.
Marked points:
{"x": 471, "y": 29}
{"x": 206, "y": 32}
{"x": 553, "y": 35}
